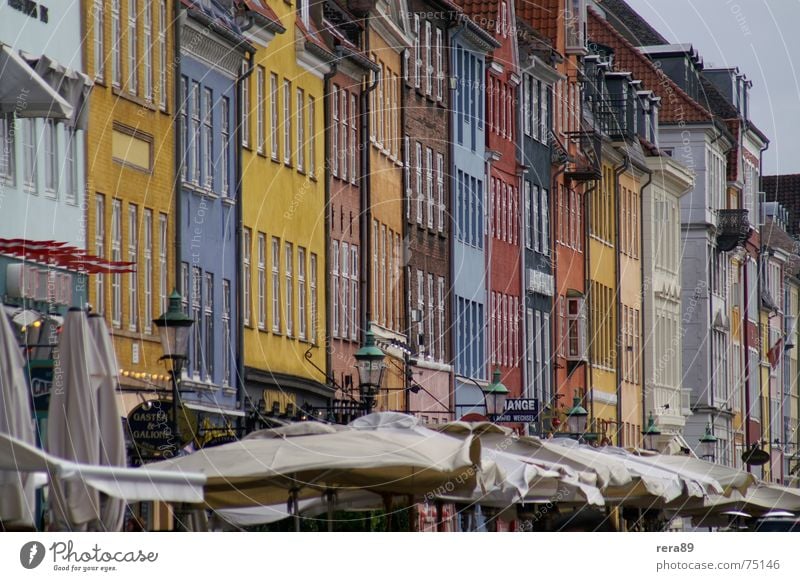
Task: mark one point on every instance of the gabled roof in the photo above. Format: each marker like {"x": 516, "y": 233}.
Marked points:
{"x": 543, "y": 15}
{"x": 484, "y": 9}
{"x": 633, "y": 27}
{"x": 676, "y": 104}
{"x": 270, "y": 19}
{"x": 313, "y": 39}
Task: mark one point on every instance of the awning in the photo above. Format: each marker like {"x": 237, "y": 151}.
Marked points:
{"x": 212, "y": 409}
{"x": 25, "y": 93}
{"x": 73, "y": 86}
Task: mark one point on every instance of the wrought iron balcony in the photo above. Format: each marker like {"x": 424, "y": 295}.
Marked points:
{"x": 585, "y": 165}
{"x": 732, "y": 228}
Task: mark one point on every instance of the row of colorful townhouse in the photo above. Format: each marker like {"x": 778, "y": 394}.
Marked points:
{"x": 545, "y": 189}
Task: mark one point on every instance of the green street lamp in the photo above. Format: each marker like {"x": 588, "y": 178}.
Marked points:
{"x": 174, "y": 327}
{"x": 495, "y": 395}
{"x": 651, "y": 433}
{"x": 577, "y": 418}
{"x": 708, "y": 445}
{"x": 370, "y": 365}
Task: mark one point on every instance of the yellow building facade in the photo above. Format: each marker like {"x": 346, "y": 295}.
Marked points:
{"x": 131, "y": 169}
{"x": 283, "y": 209}
{"x": 386, "y": 314}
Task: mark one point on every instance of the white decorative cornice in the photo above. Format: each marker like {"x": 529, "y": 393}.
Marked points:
{"x": 199, "y": 43}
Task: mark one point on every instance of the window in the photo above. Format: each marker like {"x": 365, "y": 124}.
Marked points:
{"x": 162, "y": 261}
{"x": 576, "y": 329}
{"x": 375, "y": 231}
{"x": 148, "y": 50}
{"x": 429, "y": 184}
{"x": 7, "y": 148}
{"x": 440, "y": 336}
{"x": 312, "y": 142}
{"x": 260, "y": 104}
{"x": 353, "y": 137}
{"x": 354, "y": 306}
{"x": 246, "y": 249}
{"x": 30, "y": 163}
{"x": 133, "y": 283}
{"x": 335, "y": 287}
{"x": 50, "y": 157}
{"x": 71, "y": 166}
{"x": 575, "y": 19}
{"x": 440, "y": 189}
{"x": 98, "y": 17}
{"x": 302, "y": 293}
{"x": 313, "y": 284}
{"x": 419, "y": 183}
{"x": 335, "y": 153}
{"x": 420, "y": 337}
{"x": 227, "y": 341}
{"x": 343, "y": 129}
{"x": 383, "y": 274}
{"x": 288, "y": 260}
{"x": 148, "y": 270}
{"x": 287, "y": 122}
{"x": 428, "y": 59}
{"x": 273, "y": 105}
{"x": 208, "y": 326}
{"x": 262, "y": 281}
{"x": 439, "y": 65}
{"x": 197, "y": 329}
{"x": 100, "y": 250}
{"x": 162, "y": 54}
{"x": 545, "y": 215}
{"x": 345, "y": 282}
{"x": 526, "y": 222}
{"x": 417, "y": 56}
{"x": 185, "y": 288}
{"x": 224, "y": 159}
{"x": 245, "y": 97}
{"x": 133, "y": 56}
{"x": 196, "y": 132}
{"x": 116, "y": 34}
{"x": 184, "y": 127}
{"x": 431, "y": 342}
{"x": 544, "y": 119}
{"x": 276, "y": 286}
{"x": 208, "y": 139}
{"x": 301, "y": 127}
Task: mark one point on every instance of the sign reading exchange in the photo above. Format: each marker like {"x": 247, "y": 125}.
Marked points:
{"x": 150, "y": 425}
{"x": 523, "y": 410}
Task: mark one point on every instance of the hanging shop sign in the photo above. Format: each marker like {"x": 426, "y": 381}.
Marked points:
{"x": 521, "y": 410}
{"x": 150, "y": 426}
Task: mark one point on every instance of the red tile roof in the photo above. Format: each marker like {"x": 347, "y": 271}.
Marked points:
{"x": 263, "y": 8}
{"x": 312, "y": 35}
{"x": 543, "y": 15}
{"x": 486, "y": 9}
{"x": 676, "y": 105}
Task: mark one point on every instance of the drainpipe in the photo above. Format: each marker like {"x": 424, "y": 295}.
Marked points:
{"x": 241, "y": 391}
{"x": 588, "y": 371}
{"x": 618, "y": 171}
{"x": 326, "y": 112}
{"x": 365, "y": 221}
{"x": 178, "y": 16}
{"x": 642, "y": 359}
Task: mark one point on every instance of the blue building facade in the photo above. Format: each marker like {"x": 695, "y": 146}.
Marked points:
{"x": 207, "y": 218}
{"x": 469, "y": 46}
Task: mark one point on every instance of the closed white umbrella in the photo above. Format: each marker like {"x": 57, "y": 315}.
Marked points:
{"x": 72, "y": 428}
{"x": 127, "y": 484}
{"x": 112, "y": 441}
{"x": 17, "y": 500}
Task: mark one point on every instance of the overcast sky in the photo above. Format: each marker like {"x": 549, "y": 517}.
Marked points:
{"x": 761, "y": 37}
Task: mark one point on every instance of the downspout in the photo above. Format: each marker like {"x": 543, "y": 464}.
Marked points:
{"x": 764, "y": 409}
{"x": 178, "y": 16}
{"x": 554, "y": 321}
{"x": 239, "y": 226}
{"x": 451, "y": 92}
{"x": 618, "y": 171}
{"x": 642, "y": 359}
{"x": 326, "y": 112}
{"x": 407, "y": 373}
{"x": 365, "y": 221}
{"x": 588, "y": 369}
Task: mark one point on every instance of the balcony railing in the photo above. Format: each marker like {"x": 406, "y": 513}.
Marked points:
{"x": 585, "y": 165}
{"x": 732, "y": 228}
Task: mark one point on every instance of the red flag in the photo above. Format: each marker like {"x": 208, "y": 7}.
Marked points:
{"x": 774, "y": 354}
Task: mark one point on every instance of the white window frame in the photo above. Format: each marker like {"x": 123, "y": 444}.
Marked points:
{"x": 343, "y": 129}
{"x": 100, "y": 250}
{"x": 274, "y": 116}
{"x": 287, "y": 122}
{"x": 428, "y": 59}
{"x": 147, "y": 28}
{"x": 30, "y": 159}
{"x": 419, "y": 182}
{"x": 354, "y": 305}
{"x": 417, "y": 55}
{"x": 440, "y": 190}
{"x": 312, "y": 138}
{"x": 50, "y": 158}
{"x": 208, "y": 138}
{"x": 116, "y": 39}
{"x": 353, "y": 136}
{"x": 439, "y": 65}
{"x": 163, "y": 231}
{"x": 196, "y": 138}
{"x": 148, "y": 270}
{"x": 224, "y": 157}
{"x": 226, "y": 332}
{"x": 276, "y": 285}
{"x": 116, "y": 255}
{"x": 429, "y": 184}
{"x": 260, "y": 104}
{"x": 301, "y": 127}
{"x": 245, "y": 114}
{"x": 162, "y": 55}
{"x": 246, "y": 275}
{"x": 133, "y": 53}
{"x": 313, "y": 290}
{"x": 335, "y": 289}
{"x": 288, "y": 250}
{"x": 133, "y": 282}
{"x": 98, "y": 20}
{"x": 262, "y": 281}
{"x": 335, "y": 132}
{"x": 302, "y": 294}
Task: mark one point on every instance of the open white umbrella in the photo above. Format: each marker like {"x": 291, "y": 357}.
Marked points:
{"x": 271, "y": 470}
{"x": 112, "y": 441}
{"x": 73, "y": 431}
{"x": 17, "y": 500}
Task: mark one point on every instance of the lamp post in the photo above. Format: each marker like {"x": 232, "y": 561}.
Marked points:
{"x": 708, "y": 445}
{"x": 495, "y": 395}
{"x": 173, "y": 327}
{"x": 577, "y": 418}
{"x": 370, "y": 365}
{"x": 651, "y": 433}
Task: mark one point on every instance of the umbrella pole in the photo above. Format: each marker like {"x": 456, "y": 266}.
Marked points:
{"x": 331, "y": 498}
{"x": 295, "y": 509}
